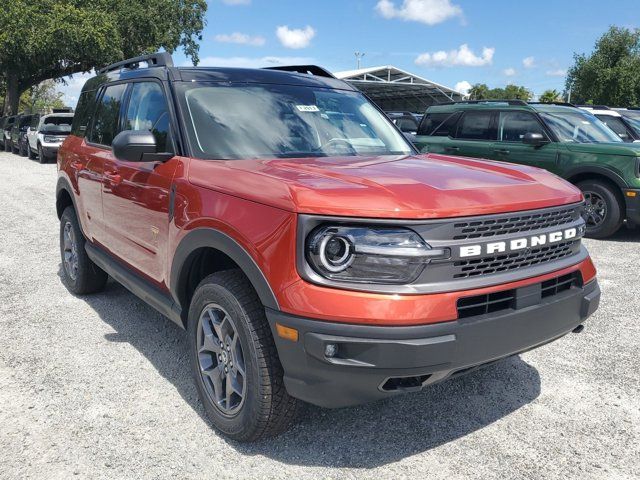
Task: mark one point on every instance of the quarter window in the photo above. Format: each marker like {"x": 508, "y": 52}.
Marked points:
{"x": 105, "y": 125}
{"x": 148, "y": 111}
{"x": 513, "y": 126}
{"x": 476, "y": 126}
{"x": 439, "y": 124}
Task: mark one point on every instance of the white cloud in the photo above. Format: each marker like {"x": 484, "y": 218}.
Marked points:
{"x": 430, "y": 12}
{"x": 557, "y": 73}
{"x": 71, "y": 91}
{"x": 463, "y": 56}
{"x": 253, "y": 62}
{"x": 295, "y": 37}
{"x": 529, "y": 62}
{"x": 237, "y": 2}
{"x": 509, "y": 72}
{"x": 463, "y": 87}
{"x": 240, "y": 38}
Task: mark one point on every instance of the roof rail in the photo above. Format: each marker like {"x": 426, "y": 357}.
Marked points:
{"x": 475, "y": 102}
{"x": 306, "y": 69}
{"x": 595, "y": 107}
{"x": 159, "y": 59}
{"x": 562, "y": 104}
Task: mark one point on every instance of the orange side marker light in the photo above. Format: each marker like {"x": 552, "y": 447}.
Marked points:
{"x": 287, "y": 333}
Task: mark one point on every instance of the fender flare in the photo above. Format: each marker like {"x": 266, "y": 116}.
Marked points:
{"x": 64, "y": 185}
{"x": 211, "y": 238}
{"x": 597, "y": 170}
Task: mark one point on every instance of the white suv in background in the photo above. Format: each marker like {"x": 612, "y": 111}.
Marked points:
{"x": 45, "y": 139}
{"x": 616, "y": 122}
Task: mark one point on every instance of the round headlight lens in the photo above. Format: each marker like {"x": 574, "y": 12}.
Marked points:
{"x": 335, "y": 252}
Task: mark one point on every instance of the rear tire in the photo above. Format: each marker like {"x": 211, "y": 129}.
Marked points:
{"x": 604, "y": 208}
{"x": 80, "y": 274}
{"x": 22, "y": 150}
{"x": 227, "y": 324}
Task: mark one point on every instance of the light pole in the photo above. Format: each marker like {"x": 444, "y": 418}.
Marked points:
{"x": 359, "y": 56}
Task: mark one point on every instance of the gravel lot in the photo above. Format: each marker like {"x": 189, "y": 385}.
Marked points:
{"x": 99, "y": 387}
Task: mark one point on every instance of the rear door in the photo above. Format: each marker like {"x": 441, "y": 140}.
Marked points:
{"x": 475, "y": 135}
{"x": 512, "y": 127}
{"x": 135, "y": 195}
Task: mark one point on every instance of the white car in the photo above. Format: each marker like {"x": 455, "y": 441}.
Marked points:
{"x": 616, "y": 122}
{"x": 45, "y": 138}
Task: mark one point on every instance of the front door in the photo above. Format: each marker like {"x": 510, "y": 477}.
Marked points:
{"x": 135, "y": 196}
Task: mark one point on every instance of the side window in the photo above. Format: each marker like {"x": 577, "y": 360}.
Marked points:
{"x": 82, "y": 117}
{"x": 148, "y": 111}
{"x": 512, "y": 126}
{"x": 615, "y": 124}
{"x": 430, "y": 122}
{"x": 476, "y": 126}
{"x": 105, "y": 123}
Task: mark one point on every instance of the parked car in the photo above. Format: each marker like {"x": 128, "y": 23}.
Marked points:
{"x": 19, "y": 129}
{"x": 632, "y": 116}
{"x": 46, "y": 134}
{"x": 311, "y": 254}
{"x": 565, "y": 140}
{"x": 6, "y": 132}
{"x": 407, "y": 122}
{"x": 613, "y": 119}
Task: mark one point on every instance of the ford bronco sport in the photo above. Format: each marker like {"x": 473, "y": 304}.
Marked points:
{"x": 565, "y": 140}
{"x": 309, "y": 251}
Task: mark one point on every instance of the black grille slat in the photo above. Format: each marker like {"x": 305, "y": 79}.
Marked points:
{"x": 515, "y": 224}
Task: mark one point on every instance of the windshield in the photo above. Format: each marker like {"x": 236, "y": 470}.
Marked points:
{"x": 284, "y": 121}
{"x": 633, "y": 119}
{"x": 57, "y": 125}
{"x": 579, "y": 127}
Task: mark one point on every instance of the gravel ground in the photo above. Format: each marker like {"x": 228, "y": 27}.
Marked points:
{"x": 99, "y": 387}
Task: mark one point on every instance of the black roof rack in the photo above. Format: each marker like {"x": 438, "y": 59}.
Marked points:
{"x": 475, "y": 102}
{"x": 159, "y": 59}
{"x": 595, "y": 107}
{"x": 306, "y": 69}
{"x": 562, "y": 104}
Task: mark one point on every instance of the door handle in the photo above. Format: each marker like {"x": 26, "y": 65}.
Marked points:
{"x": 451, "y": 149}
{"x": 114, "y": 178}
{"x": 503, "y": 151}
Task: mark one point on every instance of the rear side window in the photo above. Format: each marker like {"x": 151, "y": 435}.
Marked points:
{"x": 476, "y": 126}
{"x": 615, "y": 124}
{"x": 439, "y": 124}
{"x": 105, "y": 123}
{"x": 86, "y": 105}
{"x": 148, "y": 111}
{"x": 512, "y": 126}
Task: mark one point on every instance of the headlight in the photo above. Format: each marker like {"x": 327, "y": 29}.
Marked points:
{"x": 384, "y": 255}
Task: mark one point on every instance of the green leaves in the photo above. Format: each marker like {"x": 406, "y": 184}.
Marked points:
{"x": 480, "y": 91}
{"x": 610, "y": 75}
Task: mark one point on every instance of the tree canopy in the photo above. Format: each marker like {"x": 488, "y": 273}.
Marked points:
{"x": 610, "y": 75}
{"x": 550, "y": 96}
{"x": 45, "y": 39}
{"x": 481, "y": 91}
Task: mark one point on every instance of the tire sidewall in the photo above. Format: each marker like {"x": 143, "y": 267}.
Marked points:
{"x": 614, "y": 217}
{"x": 244, "y": 421}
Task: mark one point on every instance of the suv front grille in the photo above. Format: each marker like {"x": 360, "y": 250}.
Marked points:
{"x": 512, "y": 261}
{"x": 515, "y": 224}
{"x": 506, "y": 299}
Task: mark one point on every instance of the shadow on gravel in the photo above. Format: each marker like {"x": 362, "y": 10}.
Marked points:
{"x": 361, "y": 437}
{"x": 625, "y": 235}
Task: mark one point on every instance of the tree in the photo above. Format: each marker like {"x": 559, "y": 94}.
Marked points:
{"x": 550, "y": 96}
{"x": 63, "y": 37}
{"x": 610, "y": 75}
{"x": 480, "y": 91}
{"x": 41, "y": 98}
{"x": 516, "y": 92}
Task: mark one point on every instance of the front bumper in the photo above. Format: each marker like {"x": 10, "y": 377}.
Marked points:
{"x": 50, "y": 150}
{"x": 377, "y": 362}
{"x": 632, "y": 199}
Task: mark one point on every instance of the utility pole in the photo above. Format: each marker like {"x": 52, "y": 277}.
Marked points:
{"x": 359, "y": 56}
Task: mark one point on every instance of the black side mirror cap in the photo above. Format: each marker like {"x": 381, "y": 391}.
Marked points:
{"x": 137, "y": 146}
{"x": 535, "y": 139}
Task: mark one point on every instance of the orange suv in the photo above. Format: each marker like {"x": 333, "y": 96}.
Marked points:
{"x": 310, "y": 252}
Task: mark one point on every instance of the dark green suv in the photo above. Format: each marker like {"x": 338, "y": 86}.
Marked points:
{"x": 565, "y": 140}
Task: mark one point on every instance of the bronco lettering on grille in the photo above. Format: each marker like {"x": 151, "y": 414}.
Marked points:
{"x": 518, "y": 243}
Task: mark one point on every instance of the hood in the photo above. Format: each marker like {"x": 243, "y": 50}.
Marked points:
{"x": 404, "y": 187}
{"x": 613, "y": 148}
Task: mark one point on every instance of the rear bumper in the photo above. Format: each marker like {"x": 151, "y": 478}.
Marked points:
{"x": 377, "y": 362}
{"x": 633, "y": 206}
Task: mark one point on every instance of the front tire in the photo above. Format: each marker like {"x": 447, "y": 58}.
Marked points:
{"x": 31, "y": 153}
{"x": 80, "y": 274}
{"x": 234, "y": 360}
{"x": 41, "y": 156}
{"x": 604, "y": 208}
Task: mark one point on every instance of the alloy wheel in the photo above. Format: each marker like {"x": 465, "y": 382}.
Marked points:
{"x": 595, "y": 209}
{"x": 221, "y": 360}
{"x": 70, "y": 251}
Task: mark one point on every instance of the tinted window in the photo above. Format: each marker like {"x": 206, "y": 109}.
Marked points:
{"x": 431, "y": 121}
{"x": 148, "y": 111}
{"x": 615, "y": 124}
{"x": 406, "y": 124}
{"x": 512, "y": 126}
{"x": 82, "y": 116}
{"x": 105, "y": 123}
{"x": 475, "y": 126}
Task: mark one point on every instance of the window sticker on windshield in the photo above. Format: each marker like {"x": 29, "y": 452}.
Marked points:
{"x": 307, "y": 108}
{"x": 586, "y": 122}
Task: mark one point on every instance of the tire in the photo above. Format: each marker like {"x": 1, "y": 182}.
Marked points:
{"x": 80, "y": 275}
{"x": 31, "y": 153}
{"x": 264, "y": 408}
{"x": 22, "y": 150}
{"x": 41, "y": 157}
{"x": 604, "y": 211}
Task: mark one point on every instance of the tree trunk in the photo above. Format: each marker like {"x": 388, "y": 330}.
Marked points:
{"x": 13, "y": 95}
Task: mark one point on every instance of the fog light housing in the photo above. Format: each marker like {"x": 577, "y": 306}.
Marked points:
{"x": 330, "y": 350}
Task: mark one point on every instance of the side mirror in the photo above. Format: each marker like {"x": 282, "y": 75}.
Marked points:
{"x": 534, "y": 139}
{"x": 137, "y": 146}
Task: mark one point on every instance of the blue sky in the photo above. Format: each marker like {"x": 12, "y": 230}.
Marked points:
{"x": 452, "y": 42}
